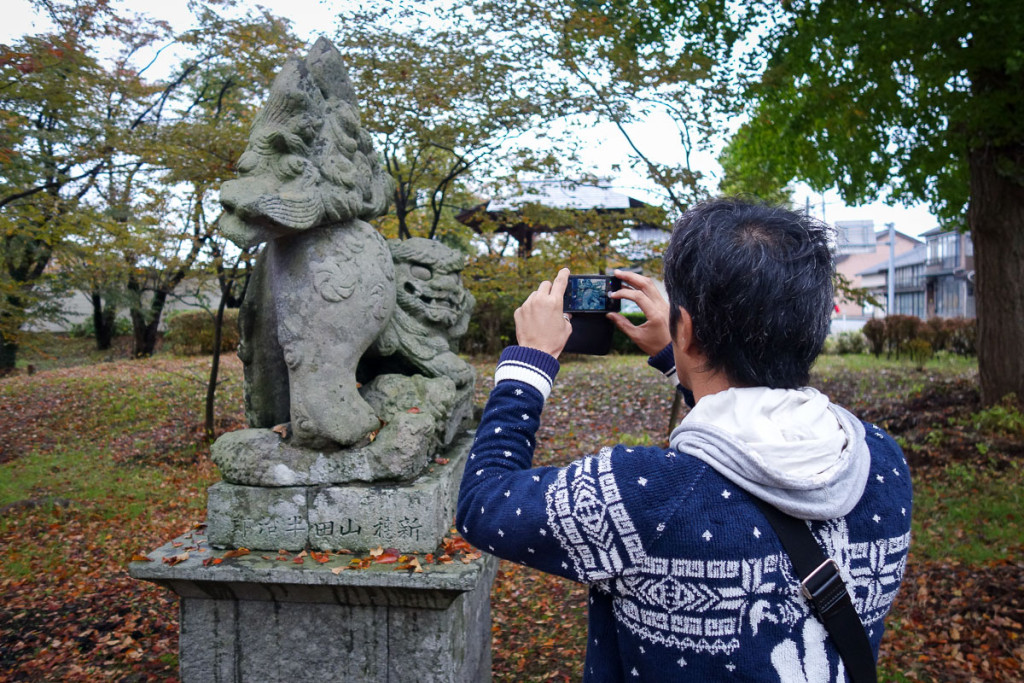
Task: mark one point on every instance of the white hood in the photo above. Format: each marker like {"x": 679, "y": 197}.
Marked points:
{"x": 789, "y": 447}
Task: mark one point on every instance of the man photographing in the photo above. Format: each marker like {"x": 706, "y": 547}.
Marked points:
{"x": 688, "y": 578}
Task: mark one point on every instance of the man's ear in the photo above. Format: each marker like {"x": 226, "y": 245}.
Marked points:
{"x": 682, "y": 337}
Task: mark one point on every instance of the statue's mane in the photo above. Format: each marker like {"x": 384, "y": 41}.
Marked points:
{"x": 308, "y": 162}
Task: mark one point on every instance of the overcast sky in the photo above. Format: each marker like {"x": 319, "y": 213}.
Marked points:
{"x": 312, "y": 18}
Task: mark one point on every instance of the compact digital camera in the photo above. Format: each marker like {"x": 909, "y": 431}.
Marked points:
{"x": 586, "y": 298}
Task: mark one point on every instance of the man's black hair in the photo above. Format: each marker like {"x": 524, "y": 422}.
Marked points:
{"x": 757, "y": 282}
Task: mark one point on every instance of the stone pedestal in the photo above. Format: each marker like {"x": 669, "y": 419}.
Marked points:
{"x": 412, "y": 517}
{"x": 278, "y": 615}
{"x": 258, "y": 618}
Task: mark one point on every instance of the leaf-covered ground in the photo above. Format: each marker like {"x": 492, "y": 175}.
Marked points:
{"x": 103, "y": 461}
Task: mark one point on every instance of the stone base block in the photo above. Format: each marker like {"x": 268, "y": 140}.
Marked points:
{"x": 258, "y": 619}
{"x": 413, "y": 517}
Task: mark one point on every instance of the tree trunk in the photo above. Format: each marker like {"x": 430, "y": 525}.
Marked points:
{"x": 102, "y": 322}
{"x": 8, "y": 355}
{"x": 996, "y": 220}
{"x": 211, "y": 386}
{"x": 146, "y": 323}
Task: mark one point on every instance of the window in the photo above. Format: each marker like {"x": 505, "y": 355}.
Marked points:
{"x": 948, "y": 297}
{"x": 944, "y": 250}
{"x": 910, "y": 276}
{"x": 910, "y": 303}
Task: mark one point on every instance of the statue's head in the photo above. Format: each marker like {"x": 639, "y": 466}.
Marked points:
{"x": 308, "y": 162}
{"x": 429, "y": 285}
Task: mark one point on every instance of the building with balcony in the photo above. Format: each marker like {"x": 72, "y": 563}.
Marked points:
{"x": 949, "y": 272}
{"x": 860, "y": 251}
{"x": 935, "y": 279}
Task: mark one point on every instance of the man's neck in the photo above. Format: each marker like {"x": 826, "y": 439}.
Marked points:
{"x": 706, "y": 383}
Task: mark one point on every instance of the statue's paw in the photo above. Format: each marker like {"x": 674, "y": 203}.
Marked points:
{"x": 343, "y": 420}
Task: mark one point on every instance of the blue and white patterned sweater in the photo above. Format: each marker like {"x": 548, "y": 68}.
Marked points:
{"x": 688, "y": 581}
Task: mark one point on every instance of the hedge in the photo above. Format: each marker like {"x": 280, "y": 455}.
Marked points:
{"x": 900, "y": 334}
{"x": 191, "y": 333}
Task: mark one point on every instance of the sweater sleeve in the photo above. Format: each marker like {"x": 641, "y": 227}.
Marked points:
{"x": 502, "y": 500}
{"x": 588, "y": 521}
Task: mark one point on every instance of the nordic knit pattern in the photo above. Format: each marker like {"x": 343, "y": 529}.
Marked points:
{"x": 688, "y": 579}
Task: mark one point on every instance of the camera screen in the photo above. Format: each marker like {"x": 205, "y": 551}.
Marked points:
{"x": 587, "y": 294}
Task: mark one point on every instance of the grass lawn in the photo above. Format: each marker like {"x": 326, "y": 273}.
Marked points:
{"x": 103, "y": 457}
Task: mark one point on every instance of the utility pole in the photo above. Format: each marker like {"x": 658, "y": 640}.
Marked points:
{"x": 891, "y": 305}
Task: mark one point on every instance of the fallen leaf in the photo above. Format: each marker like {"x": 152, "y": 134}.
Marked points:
{"x": 139, "y": 557}
{"x": 282, "y": 430}
{"x": 414, "y": 410}
{"x": 377, "y": 551}
{"x": 442, "y": 461}
{"x": 176, "y": 559}
{"x": 412, "y": 565}
{"x": 237, "y": 552}
{"x": 389, "y": 556}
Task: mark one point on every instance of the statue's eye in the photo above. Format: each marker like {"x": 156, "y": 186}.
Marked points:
{"x": 420, "y": 272}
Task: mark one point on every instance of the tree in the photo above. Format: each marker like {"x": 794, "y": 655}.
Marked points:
{"x": 232, "y": 65}
{"x": 447, "y": 100}
{"x": 751, "y": 175}
{"x": 52, "y": 141}
{"x": 585, "y": 241}
{"x": 921, "y": 102}
{"x": 189, "y": 146}
{"x": 636, "y": 62}
{"x": 912, "y": 101}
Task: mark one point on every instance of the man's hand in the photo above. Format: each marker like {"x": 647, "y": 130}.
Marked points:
{"x": 653, "y": 335}
{"x": 540, "y": 323}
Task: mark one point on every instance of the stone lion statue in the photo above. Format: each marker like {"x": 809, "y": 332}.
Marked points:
{"x": 332, "y": 307}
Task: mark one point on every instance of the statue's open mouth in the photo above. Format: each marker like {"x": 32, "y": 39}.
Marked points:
{"x": 446, "y": 302}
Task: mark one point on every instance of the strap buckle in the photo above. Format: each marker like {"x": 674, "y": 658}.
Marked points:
{"x": 824, "y": 587}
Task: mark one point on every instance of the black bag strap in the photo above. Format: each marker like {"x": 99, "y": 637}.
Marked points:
{"x": 824, "y": 589}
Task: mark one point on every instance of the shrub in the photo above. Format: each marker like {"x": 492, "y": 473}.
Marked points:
{"x": 900, "y": 330}
{"x": 87, "y": 328}
{"x": 191, "y": 332}
{"x": 874, "y": 332}
{"x": 1002, "y": 419}
{"x": 831, "y": 346}
{"x": 920, "y": 351}
{"x": 851, "y": 341}
{"x": 937, "y": 331}
{"x": 963, "y": 336}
